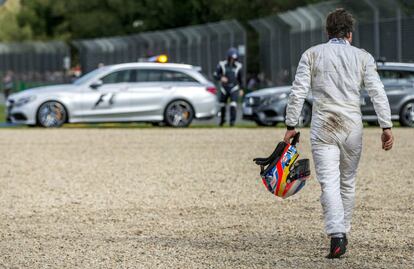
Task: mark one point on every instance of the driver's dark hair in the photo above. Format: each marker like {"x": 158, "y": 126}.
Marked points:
{"x": 339, "y": 23}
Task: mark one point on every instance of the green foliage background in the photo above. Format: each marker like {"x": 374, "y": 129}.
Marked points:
{"x": 10, "y": 29}
{"x": 66, "y": 20}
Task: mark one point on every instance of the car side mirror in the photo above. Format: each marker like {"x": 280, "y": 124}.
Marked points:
{"x": 97, "y": 84}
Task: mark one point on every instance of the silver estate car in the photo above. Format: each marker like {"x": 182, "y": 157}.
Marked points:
{"x": 132, "y": 92}
{"x": 267, "y": 106}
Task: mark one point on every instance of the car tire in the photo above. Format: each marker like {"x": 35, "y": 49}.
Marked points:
{"x": 158, "y": 124}
{"x": 178, "y": 113}
{"x": 51, "y": 114}
{"x": 305, "y": 117}
{"x": 265, "y": 123}
{"x": 407, "y": 114}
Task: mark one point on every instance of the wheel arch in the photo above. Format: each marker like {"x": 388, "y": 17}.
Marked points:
{"x": 306, "y": 102}
{"x": 409, "y": 100}
{"x": 179, "y": 99}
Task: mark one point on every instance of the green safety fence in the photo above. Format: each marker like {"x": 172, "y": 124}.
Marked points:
{"x": 23, "y": 85}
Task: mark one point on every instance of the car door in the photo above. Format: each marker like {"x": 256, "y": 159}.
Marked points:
{"x": 398, "y": 92}
{"x": 111, "y": 100}
{"x": 150, "y": 94}
{"x": 395, "y": 84}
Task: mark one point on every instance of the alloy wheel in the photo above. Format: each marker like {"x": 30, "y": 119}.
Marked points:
{"x": 52, "y": 114}
{"x": 179, "y": 114}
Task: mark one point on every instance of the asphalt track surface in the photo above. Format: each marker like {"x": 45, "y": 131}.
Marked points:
{"x": 188, "y": 198}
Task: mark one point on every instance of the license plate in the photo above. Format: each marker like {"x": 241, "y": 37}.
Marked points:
{"x": 247, "y": 111}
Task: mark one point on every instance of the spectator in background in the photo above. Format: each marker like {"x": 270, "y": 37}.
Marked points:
{"x": 253, "y": 83}
{"x": 264, "y": 82}
{"x": 75, "y": 72}
{"x": 282, "y": 78}
{"x": 8, "y": 84}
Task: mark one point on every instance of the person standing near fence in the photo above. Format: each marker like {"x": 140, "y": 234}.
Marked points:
{"x": 8, "y": 84}
{"x": 229, "y": 75}
{"x": 336, "y": 72}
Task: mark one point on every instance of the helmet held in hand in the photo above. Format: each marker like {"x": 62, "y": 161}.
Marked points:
{"x": 282, "y": 173}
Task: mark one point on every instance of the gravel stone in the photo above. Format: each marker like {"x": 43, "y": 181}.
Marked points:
{"x": 188, "y": 198}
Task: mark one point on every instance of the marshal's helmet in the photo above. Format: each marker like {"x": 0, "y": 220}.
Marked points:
{"x": 282, "y": 173}
{"x": 233, "y": 53}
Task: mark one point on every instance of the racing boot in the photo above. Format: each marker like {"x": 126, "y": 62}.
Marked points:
{"x": 222, "y": 116}
{"x": 233, "y": 114}
{"x": 338, "y": 247}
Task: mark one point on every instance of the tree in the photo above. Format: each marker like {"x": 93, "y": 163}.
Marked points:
{"x": 10, "y": 29}
{"x": 62, "y": 19}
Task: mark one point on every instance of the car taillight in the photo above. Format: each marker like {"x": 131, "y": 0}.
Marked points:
{"x": 212, "y": 90}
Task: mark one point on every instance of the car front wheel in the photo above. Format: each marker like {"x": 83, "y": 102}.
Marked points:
{"x": 305, "y": 116}
{"x": 179, "y": 114}
{"x": 407, "y": 114}
{"x": 51, "y": 114}
{"x": 265, "y": 123}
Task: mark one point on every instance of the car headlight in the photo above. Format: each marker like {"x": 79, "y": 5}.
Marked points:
{"x": 249, "y": 100}
{"x": 274, "y": 98}
{"x": 282, "y": 96}
{"x": 24, "y": 100}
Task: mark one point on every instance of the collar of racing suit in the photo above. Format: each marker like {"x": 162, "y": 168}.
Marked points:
{"x": 341, "y": 41}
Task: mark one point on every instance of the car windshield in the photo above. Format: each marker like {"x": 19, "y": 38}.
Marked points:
{"x": 85, "y": 78}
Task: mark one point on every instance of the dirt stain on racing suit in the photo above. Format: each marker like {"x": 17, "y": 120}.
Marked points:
{"x": 334, "y": 123}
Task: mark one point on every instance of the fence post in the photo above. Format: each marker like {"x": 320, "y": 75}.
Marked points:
{"x": 321, "y": 17}
{"x": 376, "y": 27}
{"x": 271, "y": 55}
{"x": 312, "y": 22}
{"x": 399, "y": 34}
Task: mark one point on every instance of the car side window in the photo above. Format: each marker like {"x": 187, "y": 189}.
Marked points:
{"x": 120, "y": 77}
{"x": 176, "y": 76}
{"x": 410, "y": 75}
{"x": 153, "y": 75}
{"x": 148, "y": 75}
{"x": 396, "y": 76}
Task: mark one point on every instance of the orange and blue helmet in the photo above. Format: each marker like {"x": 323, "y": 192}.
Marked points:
{"x": 282, "y": 173}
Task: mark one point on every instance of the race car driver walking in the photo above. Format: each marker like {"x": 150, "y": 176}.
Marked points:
{"x": 336, "y": 72}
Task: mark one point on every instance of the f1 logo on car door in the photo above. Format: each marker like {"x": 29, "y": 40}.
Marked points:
{"x": 106, "y": 100}
{"x": 109, "y": 102}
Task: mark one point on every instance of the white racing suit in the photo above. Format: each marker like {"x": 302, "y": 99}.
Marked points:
{"x": 336, "y": 72}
